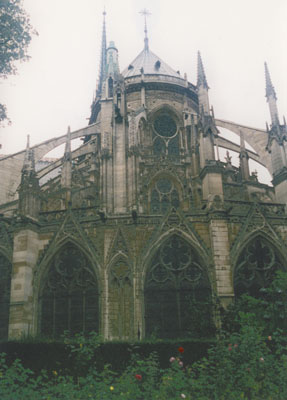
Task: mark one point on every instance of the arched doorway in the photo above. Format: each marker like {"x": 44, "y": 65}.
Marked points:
{"x": 256, "y": 267}
{"x": 178, "y": 300}
{"x": 5, "y": 290}
{"x": 69, "y": 299}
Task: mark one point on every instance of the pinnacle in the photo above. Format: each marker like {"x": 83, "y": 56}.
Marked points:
{"x": 201, "y": 78}
{"x": 270, "y": 91}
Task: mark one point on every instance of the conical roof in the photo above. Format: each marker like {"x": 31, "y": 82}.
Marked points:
{"x": 151, "y": 64}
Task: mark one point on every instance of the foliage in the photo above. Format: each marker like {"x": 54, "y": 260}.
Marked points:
{"x": 16, "y": 33}
{"x": 249, "y": 362}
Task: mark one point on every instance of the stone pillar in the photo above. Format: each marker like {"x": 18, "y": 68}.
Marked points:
{"x": 21, "y": 300}
{"x": 218, "y": 230}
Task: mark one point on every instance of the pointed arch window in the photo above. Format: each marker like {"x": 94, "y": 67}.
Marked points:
{"x": 70, "y": 298}
{"x": 5, "y": 289}
{"x": 165, "y": 135}
{"x": 177, "y": 293}
{"x": 256, "y": 267}
{"x": 164, "y": 194}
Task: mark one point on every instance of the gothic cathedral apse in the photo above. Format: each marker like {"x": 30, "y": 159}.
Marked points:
{"x": 141, "y": 231}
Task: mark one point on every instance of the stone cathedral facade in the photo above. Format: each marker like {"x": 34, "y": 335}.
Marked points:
{"x": 142, "y": 230}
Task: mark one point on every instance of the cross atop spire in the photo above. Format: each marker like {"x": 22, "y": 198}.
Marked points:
{"x": 145, "y": 13}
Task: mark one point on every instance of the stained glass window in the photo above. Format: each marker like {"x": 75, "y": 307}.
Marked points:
{"x": 256, "y": 268}
{"x": 165, "y": 135}
{"x": 165, "y": 126}
{"x": 69, "y": 299}
{"x": 5, "y": 286}
{"x": 163, "y": 195}
{"x": 177, "y": 293}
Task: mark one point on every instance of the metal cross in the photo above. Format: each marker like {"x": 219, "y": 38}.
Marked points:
{"x": 145, "y": 13}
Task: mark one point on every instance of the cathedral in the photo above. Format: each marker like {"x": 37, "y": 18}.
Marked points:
{"x": 142, "y": 231}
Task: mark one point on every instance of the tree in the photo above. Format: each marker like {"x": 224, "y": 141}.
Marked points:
{"x": 16, "y": 34}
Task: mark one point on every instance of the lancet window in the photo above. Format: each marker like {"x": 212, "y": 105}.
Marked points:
{"x": 70, "y": 298}
{"x": 256, "y": 268}
{"x": 164, "y": 194}
{"x": 5, "y": 287}
{"x": 177, "y": 293}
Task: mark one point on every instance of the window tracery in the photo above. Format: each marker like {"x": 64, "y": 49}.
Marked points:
{"x": 256, "y": 268}
{"x": 165, "y": 135}
{"x": 163, "y": 195}
{"x": 177, "y": 293}
{"x": 69, "y": 299}
{"x": 5, "y": 288}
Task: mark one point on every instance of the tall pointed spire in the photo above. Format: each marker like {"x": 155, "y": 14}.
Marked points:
{"x": 67, "y": 154}
{"x": 202, "y": 87}
{"x": 145, "y": 13}
{"x": 270, "y": 91}
{"x": 271, "y": 97}
{"x": 66, "y": 174}
{"x": 243, "y": 156}
{"x": 201, "y": 78}
{"x": 103, "y": 62}
{"x": 29, "y": 164}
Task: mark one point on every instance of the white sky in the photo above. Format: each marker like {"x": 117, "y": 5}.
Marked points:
{"x": 55, "y": 88}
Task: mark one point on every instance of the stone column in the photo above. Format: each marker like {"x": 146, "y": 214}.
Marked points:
{"x": 21, "y": 301}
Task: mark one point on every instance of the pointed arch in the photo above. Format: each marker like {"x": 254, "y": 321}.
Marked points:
{"x": 259, "y": 257}
{"x": 120, "y": 297}
{"x": 68, "y": 294}
{"x": 5, "y": 291}
{"x": 177, "y": 291}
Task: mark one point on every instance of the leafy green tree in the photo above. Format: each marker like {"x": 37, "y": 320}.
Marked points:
{"x": 16, "y": 34}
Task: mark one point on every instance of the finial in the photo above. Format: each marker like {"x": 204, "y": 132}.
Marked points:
{"x": 201, "y": 78}
{"x": 242, "y": 142}
{"x": 67, "y": 154}
{"x": 145, "y": 13}
{"x": 28, "y": 142}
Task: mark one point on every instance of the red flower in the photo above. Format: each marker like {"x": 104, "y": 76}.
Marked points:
{"x": 181, "y": 349}
{"x": 138, "y": 377}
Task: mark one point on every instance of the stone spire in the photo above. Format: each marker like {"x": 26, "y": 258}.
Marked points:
{"x": 29, "y": 163}
{"x": 112, "y": 66}
{"x": 271, "y": 97}
{"x": 243, "y": 156}
{"x": 66, "y": 174}
{"x": 145, "y": 13}
{"x": 201, "y": 78}
{"x": 29, "y": 189}
{"x": 202, "y": 87}
{"x": 103, "y": 62}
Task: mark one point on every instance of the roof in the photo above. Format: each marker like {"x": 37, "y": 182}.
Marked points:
{"x": 151, "y": 64}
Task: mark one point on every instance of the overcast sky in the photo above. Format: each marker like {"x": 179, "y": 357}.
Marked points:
{"x": 55, "y": 88}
